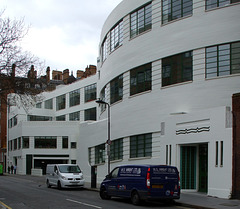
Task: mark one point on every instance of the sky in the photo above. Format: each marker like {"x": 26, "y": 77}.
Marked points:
{"x": 65, "y": 34}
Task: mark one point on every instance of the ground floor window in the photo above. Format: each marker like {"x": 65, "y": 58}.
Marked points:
{"x": 117, "y": 149}
{"x": 141, "y": 146}
{"x": 100, "y": 154}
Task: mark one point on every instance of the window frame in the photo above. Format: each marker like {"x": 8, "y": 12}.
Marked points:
{"x": 90, "y": 92}
{"x": 116, "y": 89}
{"x": 61, "y": 102}
{"x": 100, "y": 153}
{"x": 74, "y": 98}
{"x": 116, "y": 150}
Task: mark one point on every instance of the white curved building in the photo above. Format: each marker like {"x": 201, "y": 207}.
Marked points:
{"x": 168, "y": 71}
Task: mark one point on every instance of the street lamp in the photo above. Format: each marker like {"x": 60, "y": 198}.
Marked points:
{"x": 99, "y": 101}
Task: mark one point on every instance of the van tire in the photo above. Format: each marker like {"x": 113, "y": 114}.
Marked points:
{"x": 135, "y": 198}
{"x": 59, "y": 186}
{"x": 48, "y": 184}
{"x": 103, "y": 194}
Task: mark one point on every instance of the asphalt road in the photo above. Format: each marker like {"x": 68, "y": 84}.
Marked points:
{"x": 32, "y": 193}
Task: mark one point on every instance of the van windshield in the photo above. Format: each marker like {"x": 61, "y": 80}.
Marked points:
{"x": 69, "y": 169}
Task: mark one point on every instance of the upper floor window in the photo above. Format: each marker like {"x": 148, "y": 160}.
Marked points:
{"x": 103, "y": 98}
{"x": 75, "y": 116}
{"x": 219, "y": 3}
{"x": 116, "y": 89}
{"x": 141, "y": 79}
{"x": 177, "y": 69}
{"x": 48, "y": 104}
{"x": 61, "y": 102}
{"x": 174, "y": 9}
{"x": 25, "y": 142}
{"x": 90, "y": 92}
{"x": 141, "y": 20}
{"x": 223, "y": 60}
{"x": 116, "y": 35}
{"x": 44, "y": 142}
{"x": 74, "y": 98}
{"x": 61, "y": 118}
{"x": 39, "y": 105}
{"x": 90, "y": 114}
{"x": 65, "y": 142}
{"x": 38, "y": 118}
{"x": 104, "y": 50}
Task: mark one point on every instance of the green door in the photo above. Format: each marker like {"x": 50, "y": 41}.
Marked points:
{"x": 203, "y": 168}
{"x": 188, "y": 167}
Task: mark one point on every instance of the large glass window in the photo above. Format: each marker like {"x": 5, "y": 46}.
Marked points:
{"x": 116, "y": 149}
{"x": 141, "y": 79}
{"x": 61, "y": 102}
{"x": 116, "y": 89}
{"x": 48, "y": 104}
{"x": 223, "y": 60}
{"x": 45, "y": 142}
{"x": 75, "y": 116}
{"x": 219, "y": 3}
{"x": 174, "y": 9}
{"x": 141, "y": 146}
{"x": 141, "y": 20}
{"x": 116, "y": 35}
{"x": 61, "y": 118}
{"x": 100, "y": 154}
{"x": 74, "y": 98}
{"x": 177, "y": 69}
{"x": 90, "y": 92}
{"x": 90, "y": 114}
{"x": 103, "y": 98}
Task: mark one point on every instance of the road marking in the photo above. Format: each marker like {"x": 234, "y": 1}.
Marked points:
{"x": 5, "y": 205}
{"x": 82, "y": 203}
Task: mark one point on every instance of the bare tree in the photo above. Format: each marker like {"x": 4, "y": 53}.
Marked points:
{"x": 15, "y": 64}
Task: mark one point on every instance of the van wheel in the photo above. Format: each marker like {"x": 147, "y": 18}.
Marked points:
{"x": 48, "y": 185}
{"x": 59, "y": 186}
{"x": 135, "y": 198}
{"x": 104, "y": 195}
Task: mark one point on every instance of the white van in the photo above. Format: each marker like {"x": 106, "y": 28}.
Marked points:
{"x": 64, "y": 176}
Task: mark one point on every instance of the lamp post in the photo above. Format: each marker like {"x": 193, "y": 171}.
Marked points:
{"x": 99, "y": 101}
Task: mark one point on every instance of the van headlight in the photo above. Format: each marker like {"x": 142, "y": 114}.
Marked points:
{"x": 63, "y": 177}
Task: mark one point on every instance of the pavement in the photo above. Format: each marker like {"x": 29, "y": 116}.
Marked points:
{"x": 187, "y": 199}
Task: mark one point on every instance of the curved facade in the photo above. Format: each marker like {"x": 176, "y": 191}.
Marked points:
{"x": 169, "y": 72}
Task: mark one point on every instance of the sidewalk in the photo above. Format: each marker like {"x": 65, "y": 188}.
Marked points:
{"x": 187, "y": 199}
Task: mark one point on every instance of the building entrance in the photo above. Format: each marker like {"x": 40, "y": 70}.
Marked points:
{"x": 193, "y": 157}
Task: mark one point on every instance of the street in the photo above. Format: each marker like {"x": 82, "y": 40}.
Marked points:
{"x": 19, "y": 192}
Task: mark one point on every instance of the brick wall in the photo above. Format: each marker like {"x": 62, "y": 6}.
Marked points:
{"x": 236, "y": 145}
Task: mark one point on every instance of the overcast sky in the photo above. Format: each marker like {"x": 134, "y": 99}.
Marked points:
{"x": 63, "y": 33}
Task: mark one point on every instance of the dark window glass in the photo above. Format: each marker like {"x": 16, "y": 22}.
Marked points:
{"x": 90, "y": 114}
{"x": 90, "y": 92}
{"x": 116, "y": 89}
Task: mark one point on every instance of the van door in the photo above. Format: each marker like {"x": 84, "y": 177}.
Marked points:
{"x": 113, "y": 183}
{"x": 55, "y": 175}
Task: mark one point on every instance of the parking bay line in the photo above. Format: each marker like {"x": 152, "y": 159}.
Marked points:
{"x": 82, "y": 203}
{"x": 1, "y": 203}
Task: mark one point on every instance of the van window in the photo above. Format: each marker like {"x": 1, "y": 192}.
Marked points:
{"x": 69, "y": 169}
{"x": 115, "y": 173}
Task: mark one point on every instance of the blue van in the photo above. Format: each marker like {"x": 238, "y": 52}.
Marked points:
{"x": 142, "y": 182}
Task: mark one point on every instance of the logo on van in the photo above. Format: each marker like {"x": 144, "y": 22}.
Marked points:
{"x": 130, "y": 172}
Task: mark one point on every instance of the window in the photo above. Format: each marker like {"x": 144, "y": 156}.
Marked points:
{"x": 116, "y": 35}
{"x": 61, "y": 118}
{"x": 100, "y": 154}
{"x": 177, "y": 69}
{"x": 116, "y": 89}
{"x": 61, "y": 102}
{"x": 219, "y": 3}
{"x": 90, "y": 114}
{"x": 90, "y": 92}
{"x": 48, "y": 104}
{"x": 15, "y": 144}
{"x": 104, "y": 50}
{"x": 75, "y": 116}
{"x": 174, "y": 9}
{"x": 141, "y": 146}
{"x": 221, "y": 157}
{"x": 141, "y": 79}
{"x": 25, "y": 142}
{"x": 223, "y": 60}
{"x": 14, "y": 120}
{"x": 64, "y": 142}
{"x": 39, "y": 105}
{"x": 74, "y": 98}
{"x": 73, "y": 145}
{"x": 45, "y": 142}
{"x": 141, "y": 20}
{"x": 103, "y": 98}
{"x": 117, "y": 149}
{"x": 38, "y": 118}
{"x": 216, "y": 157}
{"x": 19, "y": 142}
